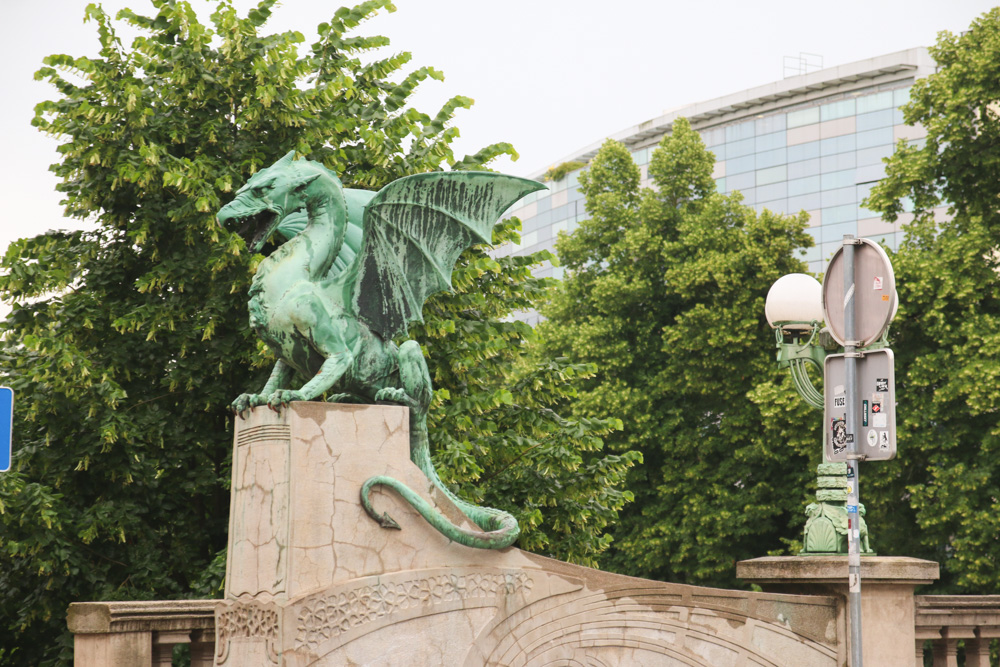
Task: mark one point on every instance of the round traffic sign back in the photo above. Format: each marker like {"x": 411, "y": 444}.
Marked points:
{"x": 874, "y": 293}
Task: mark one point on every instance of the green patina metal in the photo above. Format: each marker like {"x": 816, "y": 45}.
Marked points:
{"x": 797, "y": 355}
{"x": 826, "y": 526}
{"x": 355, "y": 269}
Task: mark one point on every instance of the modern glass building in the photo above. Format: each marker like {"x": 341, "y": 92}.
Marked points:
{"x": 813, "y": 142}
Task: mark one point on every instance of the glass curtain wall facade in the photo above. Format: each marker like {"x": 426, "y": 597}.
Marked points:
{"x": 822, "y": 159}
{"x": 811, "y": 143}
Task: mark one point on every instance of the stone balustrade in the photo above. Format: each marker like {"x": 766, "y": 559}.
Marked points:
{"x": 946, "y": 620}
{"x": 141, "y": 634}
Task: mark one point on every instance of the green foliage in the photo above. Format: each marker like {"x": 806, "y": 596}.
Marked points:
{"x": 665, "y": 292}
{"x": 127, "y": 343}
{"x": 942, "y": 487}
{"x": 958, "y": 163}
{"x": 561, "y": 171}
{"x": 496, "y": 424}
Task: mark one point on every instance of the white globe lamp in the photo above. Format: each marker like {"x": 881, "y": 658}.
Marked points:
{"x": 794, "y": 302}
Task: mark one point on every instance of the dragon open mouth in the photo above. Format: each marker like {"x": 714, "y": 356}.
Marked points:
{"x": 258, "y": 228}
{"x": 255, "y": 229}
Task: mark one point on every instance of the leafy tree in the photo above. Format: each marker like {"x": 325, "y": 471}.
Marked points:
{"x": 665, "y": 292}
{"x": 944, "y": 483}
{"x": 498, "y": 428}
{"x": 561, "y": 171}
{"x": 126, "y": 344}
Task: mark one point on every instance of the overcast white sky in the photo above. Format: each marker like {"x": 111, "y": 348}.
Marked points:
{"x": 549, "y": 76}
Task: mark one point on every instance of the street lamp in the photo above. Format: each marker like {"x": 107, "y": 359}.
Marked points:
{"x": 794, "y": 309}
{"x": 858, "y": 301}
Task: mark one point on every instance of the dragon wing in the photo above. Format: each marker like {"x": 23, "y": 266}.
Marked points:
{"x": 414, "y": 230}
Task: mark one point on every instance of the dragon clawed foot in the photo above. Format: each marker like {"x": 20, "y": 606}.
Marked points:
{"x": 395, "y": 395}
{"x": 241, "y": 406}
{"x": 345, "y": 398}
{"x": 281, "y": 398}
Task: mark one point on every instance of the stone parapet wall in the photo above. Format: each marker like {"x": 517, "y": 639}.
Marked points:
{"x": 312, "y": 580}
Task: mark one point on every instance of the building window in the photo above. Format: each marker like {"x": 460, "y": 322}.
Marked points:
{"x": 803, "y": 117}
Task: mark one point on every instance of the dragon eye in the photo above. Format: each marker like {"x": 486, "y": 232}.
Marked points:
{"x": 259, "y": 191}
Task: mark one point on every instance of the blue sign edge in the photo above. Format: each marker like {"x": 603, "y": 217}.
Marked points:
{"x": 9, "y": 445}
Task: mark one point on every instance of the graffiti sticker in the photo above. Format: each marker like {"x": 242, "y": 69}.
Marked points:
{"x": 838, "y": 434}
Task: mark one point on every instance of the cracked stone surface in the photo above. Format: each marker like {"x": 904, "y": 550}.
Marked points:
{"x": 297, "y": 524}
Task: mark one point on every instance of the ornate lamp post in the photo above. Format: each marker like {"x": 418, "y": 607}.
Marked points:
{"x": 794, "y": 310}
{"x": 858, "y": 301}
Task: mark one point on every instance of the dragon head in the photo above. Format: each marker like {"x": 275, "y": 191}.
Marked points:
{"x": 267, "y": 197}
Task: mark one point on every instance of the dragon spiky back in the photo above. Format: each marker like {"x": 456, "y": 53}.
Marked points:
{"x": 293, "y": 224}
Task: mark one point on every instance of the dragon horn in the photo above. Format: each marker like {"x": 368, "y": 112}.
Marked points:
{"x": 305, "y": 180}
{"x": 289, "y": 157}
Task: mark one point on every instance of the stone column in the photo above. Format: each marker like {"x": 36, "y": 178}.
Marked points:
{"x": 887, "y": 585}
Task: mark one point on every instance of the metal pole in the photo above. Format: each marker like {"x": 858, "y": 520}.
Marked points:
{"x": 853, "y": 459}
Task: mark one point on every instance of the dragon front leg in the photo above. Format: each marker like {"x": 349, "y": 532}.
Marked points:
{"x": 416, "y": 392}
{"x": 329, "y": 373}
{"x": 280, "y": 375}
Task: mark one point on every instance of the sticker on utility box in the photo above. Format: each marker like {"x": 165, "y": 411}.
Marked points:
{"x": 874, "y": 418}
{"x": 838, "y": 435}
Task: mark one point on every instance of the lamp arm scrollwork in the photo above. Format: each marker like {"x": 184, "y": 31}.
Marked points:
{"x": 797, "y": 357}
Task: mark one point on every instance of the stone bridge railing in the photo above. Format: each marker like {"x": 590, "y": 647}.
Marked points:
{"x": 142, "y": 634}
{"x": 942, "y": 621}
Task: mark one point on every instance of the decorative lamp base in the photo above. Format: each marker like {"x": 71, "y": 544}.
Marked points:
{"x": 826, "y": 528}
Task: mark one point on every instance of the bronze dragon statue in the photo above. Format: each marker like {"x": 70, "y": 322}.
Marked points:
{"x": 355, "y": 270}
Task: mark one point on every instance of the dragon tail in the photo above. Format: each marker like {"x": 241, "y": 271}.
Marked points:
{"x": 499, "y": 529}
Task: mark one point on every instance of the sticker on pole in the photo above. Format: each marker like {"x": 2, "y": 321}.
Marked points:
{"x": 6, "y": 426}
{"x": 877, "y": 409}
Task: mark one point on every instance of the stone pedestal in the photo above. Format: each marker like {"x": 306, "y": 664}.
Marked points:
{"x": 297, "y": 528}
{"x": 296, "y": 523}
{"x": 887, "y": 585}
